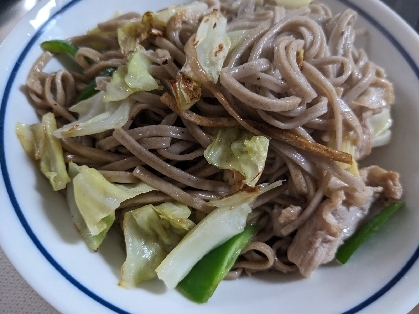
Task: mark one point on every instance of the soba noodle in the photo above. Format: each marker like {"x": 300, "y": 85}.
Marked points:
{"x": 295, "y": 77}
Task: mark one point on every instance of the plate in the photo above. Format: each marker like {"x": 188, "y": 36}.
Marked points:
{"x": 37, "y": 236}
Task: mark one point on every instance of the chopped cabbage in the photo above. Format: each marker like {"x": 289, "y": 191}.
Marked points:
{"x": 40, "y": 144}
{"x": 138, "y": 76}
{"x": 177, "y": 214}
{"x": 293, "y": 4}
{"x": 186, "y": 91}
{"x": 137, "y": 30}
{"x": 117, "y": 88}
{"x": 348, "y": 146}
{"x": 93, "y": 241}
{"x": 240, "y": 150}
{"x": 216, "y": 228}
{"x": 96, "y": 198}
{"x": 381, "y": 124}
{"x": 96, "y": 116}
{"x": 212, "y": 45}
{"x": 235, "y": 38}
{"x": 133, "y": 33}
{"x": 151, "y": 232}
{"x": 131, "y": 78}
{"x": 163, "y": 16}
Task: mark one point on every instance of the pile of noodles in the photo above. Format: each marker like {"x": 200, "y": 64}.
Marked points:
{"x": 295, "y": 77}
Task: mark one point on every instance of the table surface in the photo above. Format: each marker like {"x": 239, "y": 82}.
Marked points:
{"x": 16, "y": 296}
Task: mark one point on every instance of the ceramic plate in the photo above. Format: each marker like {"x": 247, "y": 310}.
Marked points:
{"x": 37, "y": 234}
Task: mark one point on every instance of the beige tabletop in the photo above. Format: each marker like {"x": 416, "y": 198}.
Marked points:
{"x": 16, "y": 296}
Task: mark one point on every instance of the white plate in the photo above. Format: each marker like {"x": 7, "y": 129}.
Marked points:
{"x": 38, "y": 237}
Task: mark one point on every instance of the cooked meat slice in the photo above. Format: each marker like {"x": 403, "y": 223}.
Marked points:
{"x": 289, "y": 214}
{"x": 317, "y": 240}
{"x": 337, "y": 217}
{"x": 389, "y": 180}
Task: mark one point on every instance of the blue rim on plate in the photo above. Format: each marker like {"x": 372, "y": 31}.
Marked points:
{"x": 68, "y": 276}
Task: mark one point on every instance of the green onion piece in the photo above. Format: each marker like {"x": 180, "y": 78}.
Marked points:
{"x": 345, "y": 251}
{"x": 59, "y": 46}
{"x": 90, "y": 89}
{"x": 201, "y": 282}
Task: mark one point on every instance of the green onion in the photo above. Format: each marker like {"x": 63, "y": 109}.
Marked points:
{"x": 345, "y": 251}
{"x": 59, "y": 46}
{"x": 201, "y": 282}
{"x": 90, "y": 89}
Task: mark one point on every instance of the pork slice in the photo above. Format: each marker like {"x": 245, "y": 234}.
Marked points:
{"x": 337, "y": 217}
{"x": 317, "y": 240}
{"x": 289, "y": 214}
{"x": 379, "y": 177}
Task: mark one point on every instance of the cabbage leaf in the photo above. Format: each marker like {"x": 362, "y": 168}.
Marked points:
{"x": 93, "y": 241}
{"x": 348, "y": 146}
{"x": 151, "y": 232}
{"x": 41, "y": 145}
{"x": 381, "y": 124}
{"x": 235, "y": 38}
{"x": 95, "y": 116}
{"x": 96, "y": 198}
{"x": 132, "y": 77}
{"x": 135, "y": 31}
{"x": 239, "y": 150}
{"x": 212, "y": 45}
{"x": 216, "y": 228}
{"x": 162, "y": 17}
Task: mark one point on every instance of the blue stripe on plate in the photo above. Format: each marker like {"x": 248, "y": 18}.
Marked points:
{"x": 70, "y": 278}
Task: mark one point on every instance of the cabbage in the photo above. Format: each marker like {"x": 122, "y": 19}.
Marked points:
{"x": 117, "y": 88}
{"x": 97, "y": 199}
{"x": 239, "y": 150}
{"x": 151, "y": 232}
{"x": 349, "y": 147}
{"x": 212, "y": 45}
{"x": 216, "y": 228}
{"x": 163, "y": 16}
{"x": 39, "y": 143}
{"x": 137, "y": 30}
{"x": 96, "y": 116}
{"x": 293, "y": 4}
{"x": 132, "y": 77}
{"x": 186, "y": 90}
{"x": 381, "y": 124}
{"x": 235, "y": 38}
{"x": 133, "y": 33}
{"x": 176, "y": 213}
{"x": 93, "y": 241}
{"x": 137, "y": 76}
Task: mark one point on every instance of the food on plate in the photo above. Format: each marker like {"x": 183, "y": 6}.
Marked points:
{"x": 227, "y": 128}
{"x": 362, "y": 234}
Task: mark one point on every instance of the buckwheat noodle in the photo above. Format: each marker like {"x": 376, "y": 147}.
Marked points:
{"x": 296, "y": 77}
